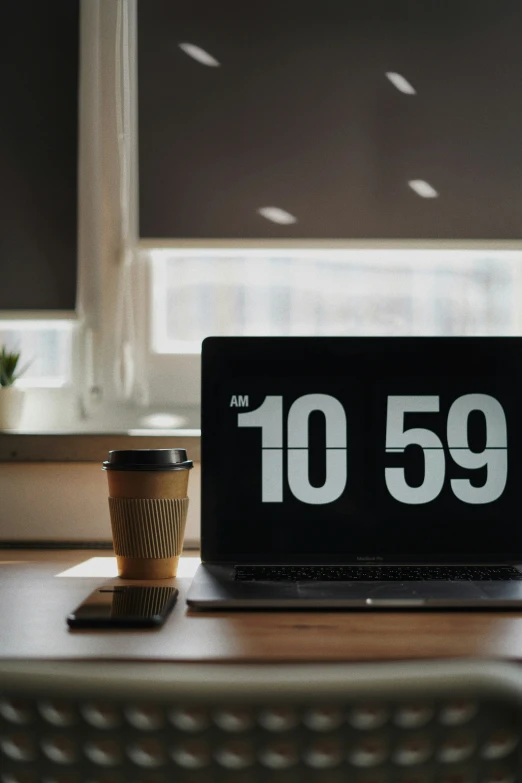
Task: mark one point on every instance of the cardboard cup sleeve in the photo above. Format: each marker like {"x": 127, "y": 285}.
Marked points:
{"x": 146, "y": 533}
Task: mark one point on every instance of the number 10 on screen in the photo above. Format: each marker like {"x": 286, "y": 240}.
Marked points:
{"x": 269, "y": 416}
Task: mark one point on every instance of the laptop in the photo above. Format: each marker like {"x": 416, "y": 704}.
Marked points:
{"x": 362, "y": 473}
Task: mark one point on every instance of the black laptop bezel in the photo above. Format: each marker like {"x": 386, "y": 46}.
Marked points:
{"x": 214, "y": 351}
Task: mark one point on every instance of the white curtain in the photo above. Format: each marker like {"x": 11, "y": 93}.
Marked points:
{"x": 109, "y": 360}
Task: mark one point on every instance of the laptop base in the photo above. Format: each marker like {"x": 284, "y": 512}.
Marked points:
{"x": 214, "y": 587}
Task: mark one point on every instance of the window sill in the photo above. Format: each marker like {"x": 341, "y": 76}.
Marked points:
{"x": 92, "y": 446}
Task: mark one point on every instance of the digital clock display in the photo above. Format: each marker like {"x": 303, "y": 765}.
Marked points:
{"x": 362, "y": 448}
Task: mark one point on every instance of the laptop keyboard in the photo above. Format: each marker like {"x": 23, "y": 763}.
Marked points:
{"x": 338, "y": 573}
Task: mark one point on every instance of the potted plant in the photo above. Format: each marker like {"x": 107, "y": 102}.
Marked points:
{"x": 11, "y": 397}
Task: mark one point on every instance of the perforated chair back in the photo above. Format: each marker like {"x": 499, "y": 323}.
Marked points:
{"x": 444, "y": 722}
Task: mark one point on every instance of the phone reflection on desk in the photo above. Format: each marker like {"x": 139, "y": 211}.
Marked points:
{"x": 124, "y": 606}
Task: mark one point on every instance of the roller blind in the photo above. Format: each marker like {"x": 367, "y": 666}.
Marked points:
{"x": 38, "y": 154}
{"x": 326, "y": 119}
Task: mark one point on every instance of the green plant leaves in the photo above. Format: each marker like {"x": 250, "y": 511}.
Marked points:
{"x": 8, "y": 365}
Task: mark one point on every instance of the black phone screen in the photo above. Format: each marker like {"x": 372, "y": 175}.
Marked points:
{"x": 124, "y": 606}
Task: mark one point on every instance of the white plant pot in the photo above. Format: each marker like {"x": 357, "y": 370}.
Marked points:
{"x": 11, "y": 407}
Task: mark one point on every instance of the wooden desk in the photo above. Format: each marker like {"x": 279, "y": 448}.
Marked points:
{"x": 36, "y": 595}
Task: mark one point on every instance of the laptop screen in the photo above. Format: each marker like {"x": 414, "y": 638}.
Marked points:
{"x": 361, "y": 449}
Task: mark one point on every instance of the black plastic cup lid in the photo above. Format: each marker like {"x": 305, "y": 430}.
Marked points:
{"x": 148, "y": 459}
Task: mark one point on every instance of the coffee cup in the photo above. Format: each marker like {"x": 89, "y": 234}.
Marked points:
{"x": 148, "y": 506}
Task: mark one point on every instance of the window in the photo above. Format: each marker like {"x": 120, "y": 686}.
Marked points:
{"x": 336, "y": 292}
{"x": 38, "y": 188}
{"x": 317, "y": 168}
{"x": 46, "y": 350}
{"x": 326, "y": 168}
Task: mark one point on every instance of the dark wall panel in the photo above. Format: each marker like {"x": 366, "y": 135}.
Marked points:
{"x": 300, "y": 115}
{"x": 38, "y": 153}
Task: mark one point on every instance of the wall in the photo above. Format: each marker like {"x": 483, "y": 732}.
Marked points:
{"x": 66, "y": 501}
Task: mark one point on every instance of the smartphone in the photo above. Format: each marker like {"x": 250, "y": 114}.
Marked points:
{"x": 124, "y": 606}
